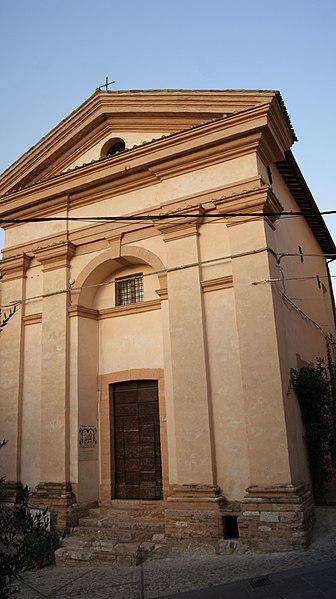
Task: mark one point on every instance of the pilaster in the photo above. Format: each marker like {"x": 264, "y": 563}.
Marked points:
{"x": 263, "y": 392}
{"x": 193, "y": 504}
{"x": 54, "y": 464}
{"x": 277, "y": 512}
{"x": 11, "y": 364}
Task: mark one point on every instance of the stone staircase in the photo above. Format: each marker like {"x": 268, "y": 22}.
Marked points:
{"x": 120, "y": 533}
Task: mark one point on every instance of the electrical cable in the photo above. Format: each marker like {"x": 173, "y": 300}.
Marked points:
{"x": 151, "y": 217}
{"x": 157, "y": 272}
{"x": 183, "y": 267}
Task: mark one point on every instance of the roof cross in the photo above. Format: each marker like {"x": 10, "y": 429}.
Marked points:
{"x": 106, "y": 84}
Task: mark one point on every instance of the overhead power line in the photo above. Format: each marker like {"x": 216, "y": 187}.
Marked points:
{"x": 151, "y": 217}
{"x": 181, "y": 267}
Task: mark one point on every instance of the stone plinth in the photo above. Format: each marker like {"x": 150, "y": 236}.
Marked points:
{"x": 193, "y": 513}
{"x": 11, "y": 490}
{"x": 277, "y": 518}
{"x": 59, "y": 500}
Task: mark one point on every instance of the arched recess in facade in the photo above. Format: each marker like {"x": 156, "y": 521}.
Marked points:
{"x": 110, "y": 344}
{"x": 108, "y": 262}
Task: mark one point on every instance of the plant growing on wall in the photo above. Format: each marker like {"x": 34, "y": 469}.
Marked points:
{"x": 25, "y": 539}
{"x": 332, "y": 379}
{"x": 6, "y": 316}
{"x": 2, "y": 478}
{"x": 313, "y": 387}
{"x": 12, "y": 558}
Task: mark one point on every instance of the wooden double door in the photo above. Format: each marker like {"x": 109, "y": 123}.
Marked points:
{"x": 136, "y": 440}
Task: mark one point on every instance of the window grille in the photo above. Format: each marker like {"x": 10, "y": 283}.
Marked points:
{"x": 129, "y": 290}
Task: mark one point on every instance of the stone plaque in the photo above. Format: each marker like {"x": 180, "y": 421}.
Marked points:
{"x": 88, "y": 445}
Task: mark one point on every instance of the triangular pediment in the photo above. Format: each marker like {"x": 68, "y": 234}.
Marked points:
{"x": 134, "y": 116}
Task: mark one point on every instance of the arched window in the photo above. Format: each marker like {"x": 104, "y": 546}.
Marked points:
{"x": 112, "y": 146}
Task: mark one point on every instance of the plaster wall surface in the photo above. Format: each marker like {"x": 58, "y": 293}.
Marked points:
{"x": 54, "y": 389}
{"x": 221, "y": 325}
{"x": 84, "y": 406}
{"x": 31, "y": 406}
{"x": 260, "y": 368}
{"x": 203, "y": 179}
{"x": 80, "y": 261}
{"x": 154, "y": 244}
{"x": 226, "y": 394}
{"x": 130, "y": 340}
{"x": 189, "y": 368}
{"x": 291, "y": 234}
{"x": 34, "y": 231}
{"x": 34, "y": 288}
{"x": 11, "y": 348}
{"x": 215, "y": 251}
{"x": 168, "y": 190}
{"x": 303, "y": 311}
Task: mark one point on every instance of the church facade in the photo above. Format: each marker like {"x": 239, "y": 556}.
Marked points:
{"x": 162, "y": 300}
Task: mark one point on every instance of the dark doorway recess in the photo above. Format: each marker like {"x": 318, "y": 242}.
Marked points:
{"x": 137, "y": 453}
{"x": 231, "y": 530}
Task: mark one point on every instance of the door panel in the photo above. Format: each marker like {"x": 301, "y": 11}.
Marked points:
{"x": 137, "y": 440}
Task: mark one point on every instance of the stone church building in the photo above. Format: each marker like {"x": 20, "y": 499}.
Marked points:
{"x": 162, "y": 300}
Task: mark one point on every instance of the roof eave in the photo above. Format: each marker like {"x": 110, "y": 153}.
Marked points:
{"x": 300, "y": 191}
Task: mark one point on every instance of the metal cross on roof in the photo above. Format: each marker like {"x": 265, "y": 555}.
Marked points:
{"x": 106, "y": 84}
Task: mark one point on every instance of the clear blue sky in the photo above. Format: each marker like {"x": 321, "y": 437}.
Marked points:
{"x": 54, "y": 54}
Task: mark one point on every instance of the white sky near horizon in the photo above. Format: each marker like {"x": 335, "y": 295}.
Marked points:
{"x": 53, "y": 54}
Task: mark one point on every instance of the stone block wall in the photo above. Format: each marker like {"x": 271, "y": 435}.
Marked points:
{"x": 279, "y": 518}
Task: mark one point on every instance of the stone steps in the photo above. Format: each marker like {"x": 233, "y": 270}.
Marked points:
{"x": 122, "y": 523}
{"x": 128, "y": 513}
{"x": 115, "y": 535}
{"x": 85, "y": 551}
{"x": 123, "y": 534}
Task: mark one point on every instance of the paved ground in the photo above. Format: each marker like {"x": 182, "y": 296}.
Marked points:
{"x": 292, "y": 575}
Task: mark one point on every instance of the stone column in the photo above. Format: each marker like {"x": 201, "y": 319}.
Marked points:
{"x": 54, "y": 491}
{"x": 194, "y": 499}
{"x": 11, "y": 370}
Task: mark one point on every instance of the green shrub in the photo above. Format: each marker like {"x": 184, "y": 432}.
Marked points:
{"x": 39, "y": 543}
{"x": 25, "y": 538}
{"x": 313, "y": 388}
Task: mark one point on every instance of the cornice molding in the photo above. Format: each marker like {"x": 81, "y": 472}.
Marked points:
{"x": 137, "y": 110}
{"x": 206, "y": 157}
{"x": 205, "y": 145}
{"x": 162, "y": 293}
{"x": 48, "y": 197}
{"x": 100, "y": 236}
{"x": 57, "y": 256}
{"x": 217, "y": 284}
{"x": 255, "y": 200}
{"x": 115, "y": 311}
{"x": 35, "y": 245}
{"x": 32, "y": 319}
{"x": 83, "y": 312}
{"x": 180, "y": 226}
{"x": 128, "y": 309}
{"x": 14, "y": 267}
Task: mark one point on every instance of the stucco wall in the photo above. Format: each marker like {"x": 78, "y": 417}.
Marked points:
{"x": 225, "y": 335}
